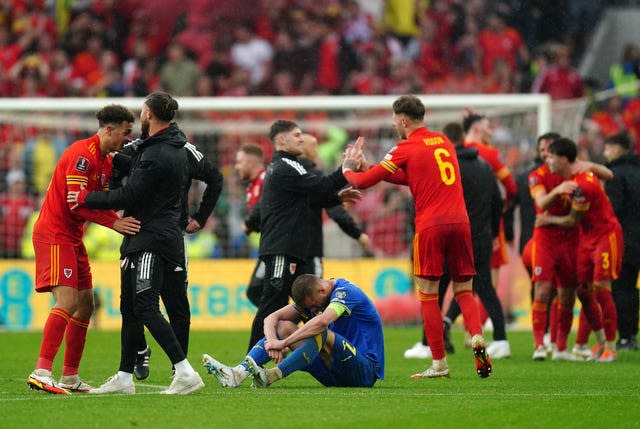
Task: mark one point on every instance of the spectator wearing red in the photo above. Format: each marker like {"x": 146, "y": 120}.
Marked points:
{"x": 33, "y": 17}
{"x": 367, "y": 81}
{"x": 431, "y": 61}
{"x": 10, "y": 51}
{"x": 63, "y": 80}
{"x": 465, "y": 48}
{"x": 631, "y": 118}
{"x": 560, "y": 80}
{"x": 610, "y": 121}
{"x": 403, "y": 79}
{"x": 500, "y": 81}
{"x": 499, "y": 41}
{"x": 16, "y": 206}
{"x": 143, "y": 29}
{"x": 87, "y": 63}
{"x": 329, "y": 78}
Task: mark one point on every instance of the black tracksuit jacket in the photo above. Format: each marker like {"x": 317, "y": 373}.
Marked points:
{"x": 285, "y": 213}
{"x": 481, "y": 194}
{"x": 153, "y": 195}
{"x": 335, "y": 210}
{"x": 200, "y": 168}
{"x": 624, "y": 193}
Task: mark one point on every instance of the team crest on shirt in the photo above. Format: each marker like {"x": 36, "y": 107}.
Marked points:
{"x": 292, "y": 267}
{"x": 67, "y": 272}
{"x": 537, "y": 270}
{"x": 340, "y": 297}
{"x": 82, "y": 164}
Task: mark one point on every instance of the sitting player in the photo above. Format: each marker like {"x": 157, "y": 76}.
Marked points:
{"x": 340, "y": 344}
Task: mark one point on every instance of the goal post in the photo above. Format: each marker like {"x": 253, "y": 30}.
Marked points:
{"x": 218, "y": 126}
{"x": 541, "y": 103}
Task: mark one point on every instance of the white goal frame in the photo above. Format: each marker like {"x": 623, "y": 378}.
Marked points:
{"x": 541, "y": 103}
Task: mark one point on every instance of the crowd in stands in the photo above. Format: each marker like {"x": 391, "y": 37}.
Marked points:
{"x": 109, "y": 48}
{"x": 281, "y": 47}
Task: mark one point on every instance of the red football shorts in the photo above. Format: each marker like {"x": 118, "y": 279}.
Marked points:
{"x": 526, "y": 255}
{"x": 554, "y": 259}
{"x": 61, "y": 265}
{"x": 438, "y": 245}
{"x": 500, "y": 256}
{"x": 600, "y": 257}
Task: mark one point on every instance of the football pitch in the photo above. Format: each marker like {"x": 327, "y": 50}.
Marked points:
{"x": 520, "y": 393}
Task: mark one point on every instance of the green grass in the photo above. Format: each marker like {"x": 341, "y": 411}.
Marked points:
{"x": 520, "y": 394}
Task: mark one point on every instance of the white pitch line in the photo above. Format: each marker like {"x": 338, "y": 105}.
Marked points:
{"x": 333, "y": 392}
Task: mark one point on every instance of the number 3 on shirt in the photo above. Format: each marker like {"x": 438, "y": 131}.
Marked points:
{"x": 447, "y": 172}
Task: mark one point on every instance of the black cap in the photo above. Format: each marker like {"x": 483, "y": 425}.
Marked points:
{"x": 468, "y": 121}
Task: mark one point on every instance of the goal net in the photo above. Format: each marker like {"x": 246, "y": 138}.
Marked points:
{"x": 35, "y": 131}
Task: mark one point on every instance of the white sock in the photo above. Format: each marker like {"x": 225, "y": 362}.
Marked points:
{"x": 241, "y": 372}
{"x": 440, "y": 364}
{"x": 273, "y": 374}
{"x": 184, "y": 368}
{"x": 125, "y": 376}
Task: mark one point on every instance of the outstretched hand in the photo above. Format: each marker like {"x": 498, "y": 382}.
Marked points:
{"x": 349, "y": 195}
{"x": 77, "y": 198}
{"x": 127, "y": 225}
{"x": 353, "y": 158}
{"x": 567, "y": 187}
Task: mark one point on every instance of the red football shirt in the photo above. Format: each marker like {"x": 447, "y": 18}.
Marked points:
{"x": 560, "y": 83}
{"x": 254, "y": 191}
{"x": 80, "y": 164}
{"x": 598, "y": 217}
{"x": 427, "y": 162}
{"x": 543, "y": 179}
{"x": 499, "y": 46}
{"x": 491, "y": 156}
{"x": 14, "y": 215}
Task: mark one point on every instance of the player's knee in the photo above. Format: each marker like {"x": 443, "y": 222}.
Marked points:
{"x": 286, "y": 328}
{"x": 67, "y": 303}
{"x": 85, "y": 310}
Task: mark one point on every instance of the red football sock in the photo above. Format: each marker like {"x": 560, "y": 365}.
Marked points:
{"x": 538, "y": 321}
{"x": 470, "y": 312}
{"x": 52, "y": 336}
{"x": 482, "y": 312}
{"x": 565, "y": 318}
{"x": 592, "y": 310}
{"x": 553, "y": 321}
{"x": 609, "y": 313}
{"x": 432, "y": 317}
{"x": 584, "y": 328}
{"x": 75, "y": 337}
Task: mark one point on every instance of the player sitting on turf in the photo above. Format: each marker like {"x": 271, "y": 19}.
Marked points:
{"x": 340, "y": 344}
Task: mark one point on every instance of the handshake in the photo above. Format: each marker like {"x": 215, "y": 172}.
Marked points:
{"x": 353, "y": 158}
